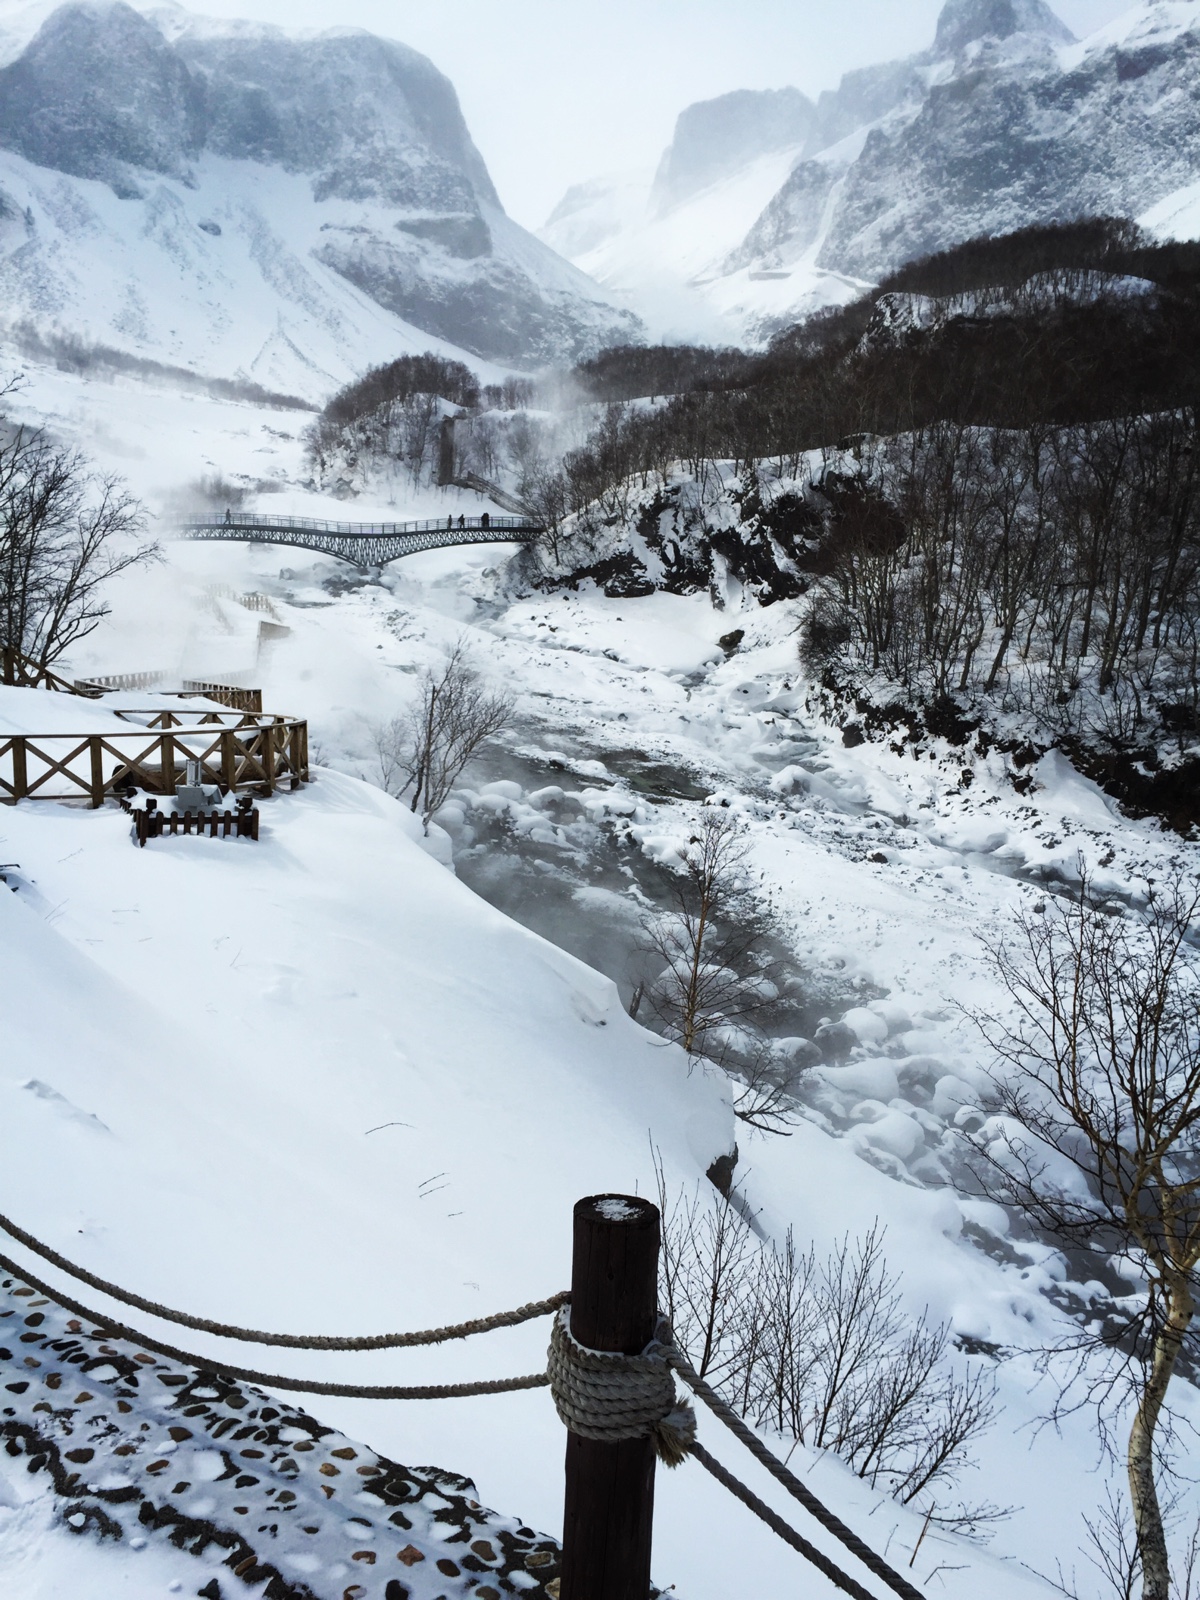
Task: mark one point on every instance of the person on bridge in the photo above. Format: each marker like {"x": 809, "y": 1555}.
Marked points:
{"x": 228, "y": 516}
{"x": 462, "y": 521}
{"x": 485, "y": 521}
{"x": 449, "y": 524}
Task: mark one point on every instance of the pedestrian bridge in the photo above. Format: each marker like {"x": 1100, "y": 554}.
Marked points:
{"x": 365, "y": 544}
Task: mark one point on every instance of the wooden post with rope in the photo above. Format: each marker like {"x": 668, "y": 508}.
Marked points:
{"x": 609, "y": 1507}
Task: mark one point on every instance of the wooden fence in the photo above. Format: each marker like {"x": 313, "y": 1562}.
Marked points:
{"x": 119, "y": 680}
{"x": 226, "y": 694}
{"x": 242, "y": 823}
{"x": 19, "y": 672}
{"x": 235, "y": 751}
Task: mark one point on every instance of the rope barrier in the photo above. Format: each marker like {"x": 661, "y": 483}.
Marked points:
{"x": 799, "y": 1491}
{"x": 609, "y": 1396}
{"x": 378, "y": 1341}
{"x": 776, "y": 1523}
{"x": 598, "y": 1394}
{"x": 272, "y": 1380}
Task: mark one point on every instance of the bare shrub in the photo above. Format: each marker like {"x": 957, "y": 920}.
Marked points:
{"x": 708, "y": 940}
{"x": 714, "y": 989}
{"x": 821, "y": 1352}
{"x": 423, "y": 754}
{"x": 764, "y": 1090}
{"x": 1110, "y": 1549}
{"x": 710, "y": 1267}
{"x": 216, "y": 488}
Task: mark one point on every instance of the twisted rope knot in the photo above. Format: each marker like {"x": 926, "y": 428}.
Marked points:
{"x": 601, "y": 1394}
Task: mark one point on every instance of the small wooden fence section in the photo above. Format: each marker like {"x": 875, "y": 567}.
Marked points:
{"x": 236, "y": 750}
{"x": 119, "y": 680}
{"x": 242, "y": 823}
{"x": 225, "y": 694}
{"x": 20, "y": 672}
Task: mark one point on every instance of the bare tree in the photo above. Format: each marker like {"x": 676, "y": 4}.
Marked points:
{"x": 1097, "y": 1137}
{"x": 710, "y": 1266}
{"x": 823, "y": 1353}
{"x": 710, "y": 939}
{"x": 764, "y": 1094}
{"x": 1111, "y": 1550}
{"x": 63, "y": 533}
{"x": 423, "y": 754}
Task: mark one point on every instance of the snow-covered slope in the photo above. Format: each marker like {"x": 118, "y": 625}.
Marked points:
{"x": 1004, "y": 121}
{"x": 241, "y": 203}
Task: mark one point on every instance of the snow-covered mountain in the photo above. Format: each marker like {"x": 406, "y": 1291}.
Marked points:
{"x": 232, "y": 200}
{"x": 1004, "y": 120}
{"x": 717, "y": 137}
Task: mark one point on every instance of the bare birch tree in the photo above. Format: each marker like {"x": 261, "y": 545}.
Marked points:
{"x": 1097, "y": 1134}
{"x": 423, "y": 754}
{"x": 708, "y": 938}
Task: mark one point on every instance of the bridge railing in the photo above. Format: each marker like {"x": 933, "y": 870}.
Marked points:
{"x": 356, "y": 530}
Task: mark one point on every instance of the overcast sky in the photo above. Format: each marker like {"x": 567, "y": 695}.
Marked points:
{"x": 556, "y": 91}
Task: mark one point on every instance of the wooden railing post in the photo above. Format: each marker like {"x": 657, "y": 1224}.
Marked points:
{"x": 97, "y": 784}
{"x": 167, "y": 757}
{"x": 20, "y": 767}
{"x": 296, "y": 762}
{"x": 228, "y": 761}
{"x": 609, "y": 1507}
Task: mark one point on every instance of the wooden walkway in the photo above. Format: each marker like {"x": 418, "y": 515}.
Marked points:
{"x": 364, "y": 544}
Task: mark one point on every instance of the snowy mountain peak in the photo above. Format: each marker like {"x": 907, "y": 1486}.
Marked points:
{"x": 290, "y": 208}
{"x": 1002, "y": 122}
{"x": 716, "y": 137}
{"x": 99, "y": 90}
{"x": 965, "y": 22}
{"x": 100, "y": 86}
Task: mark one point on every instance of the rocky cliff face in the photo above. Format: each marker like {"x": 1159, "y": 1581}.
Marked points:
{"x": 1014, "y": 128}
{"x": 716, "y": 137}
{"x": 963, "y": 23}
{"x": 331, "y": 169}
{"x": 100, "y": 94}
{"x": 1003, "y": 121}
